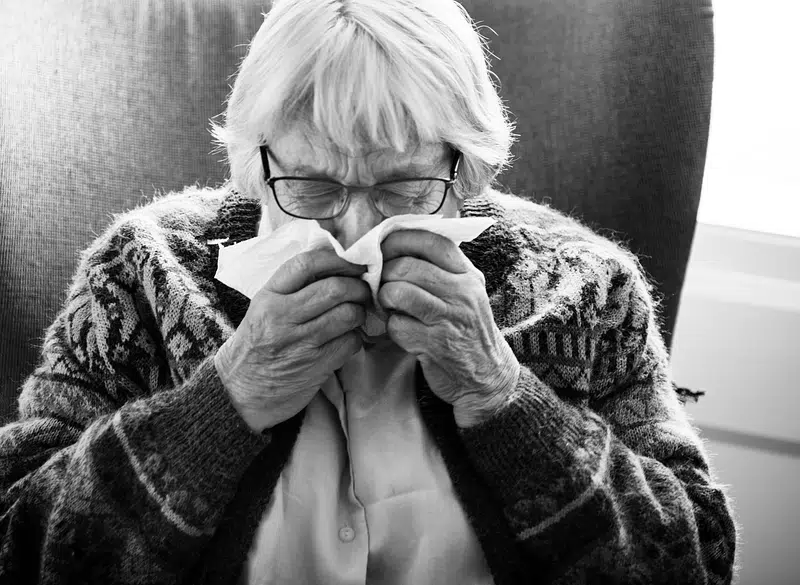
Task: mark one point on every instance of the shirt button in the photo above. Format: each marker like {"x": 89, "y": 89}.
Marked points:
{"x": 346, "y": 534}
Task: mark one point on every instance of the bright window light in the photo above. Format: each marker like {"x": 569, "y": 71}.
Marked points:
{"x": 752, "y": 174}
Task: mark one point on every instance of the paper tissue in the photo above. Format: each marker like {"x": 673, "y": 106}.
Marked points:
{"x": 248, "y": 266}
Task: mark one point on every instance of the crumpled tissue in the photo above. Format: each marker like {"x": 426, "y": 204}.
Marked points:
{"x": 248, "y": 266}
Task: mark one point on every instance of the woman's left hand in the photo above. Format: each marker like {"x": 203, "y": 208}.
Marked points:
{"x": 439, "y": 311}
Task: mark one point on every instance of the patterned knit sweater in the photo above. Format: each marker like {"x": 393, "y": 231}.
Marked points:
{"x": 128, "y": 463}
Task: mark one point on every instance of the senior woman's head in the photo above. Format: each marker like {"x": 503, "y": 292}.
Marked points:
{"x": 363, "y": 92}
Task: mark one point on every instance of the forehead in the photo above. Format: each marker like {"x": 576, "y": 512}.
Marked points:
{"x": 300, "y": 148}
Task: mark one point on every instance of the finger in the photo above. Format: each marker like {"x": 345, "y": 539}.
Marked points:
{"x": 303, "y": 269}
{"x": 323, "y": 295}
{"x": 332, "y": 324}
{"x": 407, "y": 332}
{"x": 408, "y": 298}
{"x": 425, "y": 275}
{"x": 425, "y": 245}
{"x": 341, "y": 349}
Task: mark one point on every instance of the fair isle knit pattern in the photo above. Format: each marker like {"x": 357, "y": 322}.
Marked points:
{"x": 128, "y": 464}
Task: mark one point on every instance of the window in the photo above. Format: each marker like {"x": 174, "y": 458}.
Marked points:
{"x": 752, "y": 174}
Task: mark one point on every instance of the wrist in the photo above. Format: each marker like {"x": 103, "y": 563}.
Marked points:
{"x": 474, "y": 411}
{"x": 224, "y": 365}
{"x": 223, "y": 359}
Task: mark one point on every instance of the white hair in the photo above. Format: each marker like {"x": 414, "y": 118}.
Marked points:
{"x": 368, "y": 73}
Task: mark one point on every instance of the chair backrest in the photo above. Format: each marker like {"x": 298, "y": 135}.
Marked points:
{"x": 101, "y": 102}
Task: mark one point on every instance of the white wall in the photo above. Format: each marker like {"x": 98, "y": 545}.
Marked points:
{"x": 764, "y": 490}
{"x": 738, "y": 338}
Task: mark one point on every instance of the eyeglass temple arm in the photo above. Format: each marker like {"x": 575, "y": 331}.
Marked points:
{"x": 265, "y": 161}
{"x": 456, "y": 164}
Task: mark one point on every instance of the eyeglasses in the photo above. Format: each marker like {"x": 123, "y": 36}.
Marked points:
{"x": 320, "y": 199}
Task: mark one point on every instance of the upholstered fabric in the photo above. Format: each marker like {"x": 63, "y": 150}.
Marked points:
{"x": 102, "y": 102}
{"x": 612, "y": 100}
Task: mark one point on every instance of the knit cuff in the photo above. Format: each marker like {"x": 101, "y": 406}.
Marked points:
{"x": 189, "y": 447}
{"x": 537, "y": 443}
{"x": 209, "y": 433}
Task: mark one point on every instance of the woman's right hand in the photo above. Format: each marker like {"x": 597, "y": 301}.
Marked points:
{"x": 299, "y": 329}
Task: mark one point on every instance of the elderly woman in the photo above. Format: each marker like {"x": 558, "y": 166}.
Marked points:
{"x": 516, "y": 423}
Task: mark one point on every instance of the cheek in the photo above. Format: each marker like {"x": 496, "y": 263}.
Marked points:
{"x": 272, "y": 217}
{"x": 450, "y": 209}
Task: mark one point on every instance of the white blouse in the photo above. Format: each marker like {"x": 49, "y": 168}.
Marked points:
{"x": 365, "y": 496}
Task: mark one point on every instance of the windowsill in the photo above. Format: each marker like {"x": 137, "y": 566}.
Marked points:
{"x": 737, "y": 333}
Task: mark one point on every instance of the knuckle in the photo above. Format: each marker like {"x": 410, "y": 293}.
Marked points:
{"x": 349, "y": 312}
{"x": 454, "y": 255}
{"x": 432, "y": 315}
{"x": 397, "y": 293}
{"x": 388, "y": 295}
{"x": 352, "y": 340}
{"x": 479, "y": 275}
{"x": 404, "y": 267}
{"x": 335, "y": 287}
{"x": 427, "y": 312}
{"x": 262, "y": 302}
{"x": 391, "y": 325}
{"x": 347, "y": 346}
{"x": 394, "y": 326}
{"x": 330, "y": 350}
{"x": 302, "y": 262}
{"x": 278, "y": 311}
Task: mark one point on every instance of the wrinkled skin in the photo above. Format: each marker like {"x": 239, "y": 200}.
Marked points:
{"x": 440, "y": 313}
{"x": 299, "y": 329}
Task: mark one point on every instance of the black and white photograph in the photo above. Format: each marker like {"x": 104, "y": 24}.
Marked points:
{"x": 399, "y": 292}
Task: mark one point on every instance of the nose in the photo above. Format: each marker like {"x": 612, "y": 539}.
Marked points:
{"x": 356, "y": 219}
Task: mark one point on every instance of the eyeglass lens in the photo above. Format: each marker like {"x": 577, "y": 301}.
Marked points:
{"x": 318, "y": 199}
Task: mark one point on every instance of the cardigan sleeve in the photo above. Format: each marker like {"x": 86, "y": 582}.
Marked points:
{"x": 115, "y": 468}
{"x": 604, "y": 478}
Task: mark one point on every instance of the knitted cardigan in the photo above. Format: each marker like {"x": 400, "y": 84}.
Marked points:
{"x": 128, "y": 463}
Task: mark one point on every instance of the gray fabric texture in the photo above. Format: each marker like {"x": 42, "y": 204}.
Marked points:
{"x": 102, "y": 103}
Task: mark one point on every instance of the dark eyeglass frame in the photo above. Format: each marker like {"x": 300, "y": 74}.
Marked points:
{"x": 448, "y": 183}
